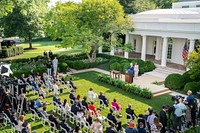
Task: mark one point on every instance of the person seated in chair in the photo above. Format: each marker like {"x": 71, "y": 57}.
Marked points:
{"x": 55, "y": 98}
{"x": 28, "y": 80}
{"x": 7, "y": 110}
{"x": 22, "y": 78}
{"x": 26, "y": 127}
{"x": 64, "y": 125}
{"x": 84, "y": 102}
{"x": 53, "y": 119}
{"x": 112, "y": 118}
{"x": 92, "y": 96}
{"x": 103, "y": 98}
{"x": 39, "y": 102}
{"x": 13, "y": 118}
{"x": 115, "y": 105}
{"x": 130, "y": 112}
{"x": 75, "y": 108}
{"x": 72, "y": 96}
{"x": 72, "y": 84}
{"x": 34, "y": 84}
{"x": 93, "y": 109}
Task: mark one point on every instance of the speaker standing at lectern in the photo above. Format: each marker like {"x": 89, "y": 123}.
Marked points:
{"x": 130, "y": 69}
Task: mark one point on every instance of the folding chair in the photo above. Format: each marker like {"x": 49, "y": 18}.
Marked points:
{"x": 72, "y": 117}
{"x": 62, "y": 129}
{"x": 52, "y": 126}
{"x": 130, "y": 118}
{"x": 86, "y": 128}
{"x": 101, "y": 104}
{"x": 34, "y": 114}
{"x": 114, "y": 110}
{"x": 44, "y": 119}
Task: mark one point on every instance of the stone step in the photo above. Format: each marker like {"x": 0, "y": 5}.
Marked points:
{"x": 162, "y": 93}
{"x": 169, "y": 70}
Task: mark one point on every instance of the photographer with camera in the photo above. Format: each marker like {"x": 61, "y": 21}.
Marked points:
{"x": 179, "y": 112}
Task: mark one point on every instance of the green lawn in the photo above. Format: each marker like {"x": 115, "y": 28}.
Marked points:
{"x": 84, "y": 81}
{"x": 40, "y": 46}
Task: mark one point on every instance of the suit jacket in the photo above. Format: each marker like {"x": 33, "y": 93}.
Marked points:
{"x": 84, "y": 103}
{"x": 66, "y": 127}
{"x": 131, "y": 112}
{"x": 163, "y": 117}
{"x": 74, "y": 109}
{"x": 112, "y": 118}
{"x": 13, "y": 119}
{"x": 52, "y": 118}
{"x": 102, "y": 97}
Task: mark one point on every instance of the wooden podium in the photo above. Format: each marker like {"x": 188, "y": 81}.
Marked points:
{"x": 128, "y": 78}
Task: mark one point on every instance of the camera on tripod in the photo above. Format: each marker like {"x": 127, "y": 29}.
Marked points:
{"x": 177, "y": 97}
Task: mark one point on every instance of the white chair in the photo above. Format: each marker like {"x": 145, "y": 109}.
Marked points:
{"x": 101, "y": 104}
{"x": 34, "y": 115}
{"x": 130, "y": 118}
{"x": 52, "y": 126}
{"x": 62, "y": 129}
{"x": 86, "y": 128}
{"x": 115, "y": 111}
{"x": 72, "y": 117}
{"x": 44, "y": 119}
{"x": 63, "y": 85}
{"x": 110, "y": 122}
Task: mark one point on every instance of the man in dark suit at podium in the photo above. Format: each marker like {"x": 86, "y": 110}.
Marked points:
{"x": 130, "y": 73}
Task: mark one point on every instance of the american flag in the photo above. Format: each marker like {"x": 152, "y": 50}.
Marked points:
{"x": 185, "y": 52}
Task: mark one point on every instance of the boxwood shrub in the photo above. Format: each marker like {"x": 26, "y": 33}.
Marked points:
{"x": 193, "y": 86}
{"x": 174, "y": 81}
{"x": 142, "y": 92}
{"x": 11, "y": 51}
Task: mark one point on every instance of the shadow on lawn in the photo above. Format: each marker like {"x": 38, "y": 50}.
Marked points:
{"x": 156, "y": 102}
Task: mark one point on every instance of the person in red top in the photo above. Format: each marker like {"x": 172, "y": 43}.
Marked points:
{"x": 93, "y": 109}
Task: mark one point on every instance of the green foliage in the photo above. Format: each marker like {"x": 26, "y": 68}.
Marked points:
{"x": 6, "y": 6}
{"x": 193, "y": 130}
{"x": 150, "y": 66}
{"x": 174, "y": 81}
{"x": 164, "y": 4}
{"x": 136, "y": 90}
{"x": 62, "y": 67}
{"x": 12, "y": 51}
{"x": 84, "y": 24}
{"x": 26, "y": 19}
{"x": 193, "y": 86}
{"x": 144, "y": 5}
{"x": 115, "y": 66}
{"x": 193, "y": 63}
{"x": 186, "y": 76}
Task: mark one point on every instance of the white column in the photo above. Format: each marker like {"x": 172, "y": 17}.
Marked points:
{"x": 144, "y": 46}
{"x": 112, "y": 50}
{"x": 158, "y": 45}
{"x": 126, "y": 54}
{"x": 192, "y": 42}
{"x": 100, "y": 49}
{"x": 164, "y": 52}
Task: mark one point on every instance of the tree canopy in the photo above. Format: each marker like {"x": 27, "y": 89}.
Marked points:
{"x": 25, "y": 20}
{"x": 85, "y": 24}
{"x": 6, "y": 6}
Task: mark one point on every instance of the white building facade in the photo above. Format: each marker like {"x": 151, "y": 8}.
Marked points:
{"x": 164, "y": 32}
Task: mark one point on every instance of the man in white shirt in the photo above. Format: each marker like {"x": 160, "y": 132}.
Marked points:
{"x": 55, "y": 87}
{"x": 92, "y": 96}
{"x": 55, "y": 65}
{"x": 150, "y": 119}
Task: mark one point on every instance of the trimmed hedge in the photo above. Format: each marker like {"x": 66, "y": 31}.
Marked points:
{"x": 193, "y": 86}
{"x": 142, "y": 92}
{"x": 11, "y": 51}
{"x": 174, "y": 81}
{"x": 193, "y": 130}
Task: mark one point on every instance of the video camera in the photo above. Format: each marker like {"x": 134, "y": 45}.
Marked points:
{"x": 176, "y": 98}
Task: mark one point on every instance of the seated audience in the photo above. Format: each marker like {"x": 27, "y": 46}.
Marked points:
{"x": 55, "y": 88}
{"x": 26, "y": 127}
{"x": 55, "y": 98}
{"x": 72, "y": 84}
{"x": 22, "y": 79}
{"x": 84, "y": 102}
{"x": 20, "y": 122}
{"x": 66, "y": 107}
{"x": 131, "y": 128}
{"x": 97, "y": 127}
{"x": 39, "y": 102}
{"x": 7, "y": 110}
{"x": 112, "y": 118}
{"x": 130, "y": 112}
{"x": 78, "y": 100}
{"x": 64, "y": 125}
{"x": 72, "y": 96}
{"x": 115, "y": 105}
{"x": 93, "y": 109}
{"x": 103, "y": 98}
{"x": 13, "y": 118}
{"x": 42, "y": 92}
{"x": 92, "y": 95}
{"x": 89, "y": 118}
{"x": 53, "y": 119}
{"x": 28, "y": 80}
{"x": 35, "y": 86}
{"x": 75, "y": 108}
{"x": 43, "y": 111}
{"x": 48, "y": 83}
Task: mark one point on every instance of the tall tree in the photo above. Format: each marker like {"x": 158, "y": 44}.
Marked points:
{"x": 143, "y": 5}
{"x": 6, "y": 6}
{"x": 86, "y": 23}
{"x": 26, "y": 19}
{"x": 164, "y": 3}
{"x": 128, "y": 6}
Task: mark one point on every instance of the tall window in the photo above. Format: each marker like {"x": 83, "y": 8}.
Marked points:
{"x": 134, "y": 44}
{"x": 169, "y": 53}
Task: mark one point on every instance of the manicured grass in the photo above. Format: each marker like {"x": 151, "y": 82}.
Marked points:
{"x": 87, "y": 80}
{"x": 40, "y": 46}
